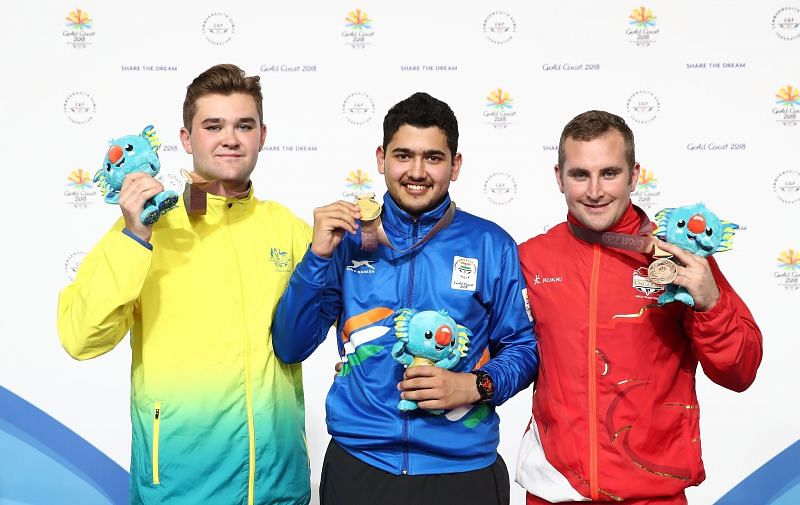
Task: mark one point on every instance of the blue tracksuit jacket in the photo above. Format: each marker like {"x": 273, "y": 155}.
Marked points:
{"x": 470, "y": 269}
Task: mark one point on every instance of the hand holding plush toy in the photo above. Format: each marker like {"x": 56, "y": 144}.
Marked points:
{"x": 429, "y": 337}
{"x": 134, "y": 153}
{"x": 694, "y": 228}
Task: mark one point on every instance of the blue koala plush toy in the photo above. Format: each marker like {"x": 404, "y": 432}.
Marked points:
{"x": 134, "y": 153}
{"x": 696, "y": 229}
{"x": 429, "y": 337}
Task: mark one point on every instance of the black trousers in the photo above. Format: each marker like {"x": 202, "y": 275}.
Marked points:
{"x": 347, "y": 480}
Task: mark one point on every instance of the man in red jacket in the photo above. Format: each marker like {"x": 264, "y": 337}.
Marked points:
{"x": 615, "y": 413}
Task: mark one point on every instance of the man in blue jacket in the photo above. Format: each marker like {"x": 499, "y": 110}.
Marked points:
{"x": 418, "y": 282}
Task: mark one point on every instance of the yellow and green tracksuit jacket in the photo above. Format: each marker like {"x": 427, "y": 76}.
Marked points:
{"x": 216, "y": 417}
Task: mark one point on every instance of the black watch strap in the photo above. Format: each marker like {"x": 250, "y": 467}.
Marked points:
{"x": 484, "y": 384}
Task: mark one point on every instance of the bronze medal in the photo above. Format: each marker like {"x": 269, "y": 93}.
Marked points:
{"x": 662, "y": 271}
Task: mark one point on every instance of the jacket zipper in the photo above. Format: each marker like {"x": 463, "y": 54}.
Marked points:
{"x": 414, "y": 234}
{"x": 251, "y": 481}
{"x": 404, "y": 471}
{"x": 251, "y": 472}
{"x": 592, "y": 376}
{"x": 156, "y": 423}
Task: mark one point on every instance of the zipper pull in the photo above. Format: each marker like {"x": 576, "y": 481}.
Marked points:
{"x": 158, "y": 411}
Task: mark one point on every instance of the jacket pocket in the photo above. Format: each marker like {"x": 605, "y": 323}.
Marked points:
{"x": 691, "y": 423}
{"x": 156, "y": 428}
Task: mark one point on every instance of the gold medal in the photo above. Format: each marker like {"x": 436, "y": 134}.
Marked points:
{"x": 370, "y": 208}
{"x": 662, "y": 271}
{"x": 370, "y": 217}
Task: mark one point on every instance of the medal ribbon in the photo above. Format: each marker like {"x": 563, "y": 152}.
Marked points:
{"x": 441, "y": 224}
{"x": 642, "y": 241}
{"x": 661, "y": 271}
{"x": 204, "y": 185}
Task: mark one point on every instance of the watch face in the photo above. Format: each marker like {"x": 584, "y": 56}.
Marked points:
{"x": 487, "y": 385}
{"x": 370, "y": 209}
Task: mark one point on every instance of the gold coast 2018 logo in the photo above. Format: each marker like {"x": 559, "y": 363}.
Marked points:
{"x": 81, "y": 191}
{"x": 647, "y": 194}
{"x": 78, "y": 32}
{"x": 499, "y": 112}
{"x": 358, "y": 182}
{"x": 642, "y": 28}
{"x": 788, "y": 272}
{"x": 787, "y": 105}
{"x": 358, "y": 30}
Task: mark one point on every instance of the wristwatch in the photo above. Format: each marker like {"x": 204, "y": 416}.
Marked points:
{"x": 484, "y": 384}
{"x": 370, "y": 214}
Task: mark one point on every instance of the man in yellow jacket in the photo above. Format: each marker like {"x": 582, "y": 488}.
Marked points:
{"x": 216, "y": 418}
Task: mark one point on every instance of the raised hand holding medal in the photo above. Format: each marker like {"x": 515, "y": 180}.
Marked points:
{"x": 663, "y": 270}
{"x": 331, "y": 222}
{"x": 692, "y": 232}
{"x": 694, "y": 275}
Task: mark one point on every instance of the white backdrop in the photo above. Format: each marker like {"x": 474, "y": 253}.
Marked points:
{"x": 709, "y": 88}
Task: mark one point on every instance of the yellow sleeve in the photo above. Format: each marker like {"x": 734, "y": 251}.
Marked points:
{"x": 97, "y": 309}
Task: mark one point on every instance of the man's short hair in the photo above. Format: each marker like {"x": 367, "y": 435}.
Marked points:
{"x": 421, "y": 110}
{"x": 224, "y": 79}
{"x": 593, "y": 124}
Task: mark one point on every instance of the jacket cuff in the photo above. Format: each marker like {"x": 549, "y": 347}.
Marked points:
{"x": 720, "y": 310}
{"x": 703, "y": 325}
{"x": 132, "y": 235}
{"x": 499, "y": 393}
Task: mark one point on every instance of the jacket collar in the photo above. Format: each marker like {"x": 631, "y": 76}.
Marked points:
{"x": 217, "y": 203}
{"x": 400, "y": 224}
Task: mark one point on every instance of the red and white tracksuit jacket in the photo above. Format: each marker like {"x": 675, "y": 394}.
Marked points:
{"x": 615, "y": 413}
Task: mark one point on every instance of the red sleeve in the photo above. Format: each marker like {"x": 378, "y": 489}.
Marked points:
{"x": 726, "y": 339}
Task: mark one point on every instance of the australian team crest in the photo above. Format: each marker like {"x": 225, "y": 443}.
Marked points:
{"x": 280, "y": 259}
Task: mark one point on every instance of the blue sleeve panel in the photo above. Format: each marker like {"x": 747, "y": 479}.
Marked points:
{"x": 512, "y": 343}
{"x": 308, "y": 308}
